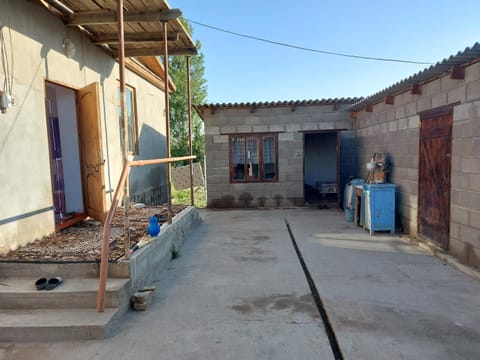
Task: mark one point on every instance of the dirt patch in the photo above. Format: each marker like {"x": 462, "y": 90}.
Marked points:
{"x": 83, "y": 242}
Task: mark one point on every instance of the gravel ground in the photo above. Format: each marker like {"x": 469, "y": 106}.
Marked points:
{"x": 83, "y": 242}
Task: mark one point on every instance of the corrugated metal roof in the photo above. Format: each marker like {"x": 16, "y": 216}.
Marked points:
{"x": 285, "y": 103}
{"x": 434, "y": 71}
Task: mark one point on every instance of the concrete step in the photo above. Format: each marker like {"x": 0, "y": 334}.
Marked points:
{"x": 57, "y": 324}
{"x": 37, "y": 270}
{"x": 20, "y": 293}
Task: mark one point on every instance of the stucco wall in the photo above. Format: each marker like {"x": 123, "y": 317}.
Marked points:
{"x": 289, "y": 125}
{"x": 26, "y": 209}
{"x": 394, "y": 130}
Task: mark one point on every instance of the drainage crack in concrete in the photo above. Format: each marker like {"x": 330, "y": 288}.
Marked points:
{"x": 267, "y": 321}
{"x": 332, "y": 338}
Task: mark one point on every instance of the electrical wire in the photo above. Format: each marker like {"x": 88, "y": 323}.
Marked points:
{"x": 306, "y": 48}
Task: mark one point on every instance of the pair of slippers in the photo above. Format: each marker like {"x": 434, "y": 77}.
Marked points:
{"x": 44, "y": 284}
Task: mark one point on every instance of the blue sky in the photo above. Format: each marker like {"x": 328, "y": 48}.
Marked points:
{"x": 244, "y": 70}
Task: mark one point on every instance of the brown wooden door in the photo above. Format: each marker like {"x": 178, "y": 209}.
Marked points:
{"x": 434, "y": 175}
{"x": 90, "y": 137}
{"x": 339, "y": 150}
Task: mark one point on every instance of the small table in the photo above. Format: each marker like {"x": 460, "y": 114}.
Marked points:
{"x": 328, "y": 188}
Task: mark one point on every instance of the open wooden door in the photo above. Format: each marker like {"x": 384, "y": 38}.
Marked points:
{"x": 91, "y": 155}
{"x": 339, "y": 150}
{"x": 434, "y": 175}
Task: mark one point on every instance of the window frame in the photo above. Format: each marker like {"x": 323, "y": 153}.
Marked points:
{"x": 260, "y": 137}
{"x": 135, "y": 150}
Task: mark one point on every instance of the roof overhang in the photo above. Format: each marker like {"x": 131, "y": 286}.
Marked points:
{"x": 452, "y": 66}
{"x": 292, "y": 104}
{"x": 143, "y": 28}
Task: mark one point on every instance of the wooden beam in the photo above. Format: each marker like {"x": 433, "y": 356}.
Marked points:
{"x": 415, "y": 89}
{"x": 369, "y": 107}
{"x": 457, "y": 72}
{"x": 157, "y": 51}
{"x": 109, "y": 17}
{"x": 54, "y": 10}
{"x": 145, "y": 73}
{"x": 389, "y": 99}
{"x": 155, "y": 65}
{"x": 133, "y": 38}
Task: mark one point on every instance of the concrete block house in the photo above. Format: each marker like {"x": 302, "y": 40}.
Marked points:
{"x": 266, "y": 154}
{"x": 428, "y": 125}
{"x": 61, "y": 144}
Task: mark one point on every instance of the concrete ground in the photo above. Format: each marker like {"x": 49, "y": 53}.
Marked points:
{"x": 238, "y": 292}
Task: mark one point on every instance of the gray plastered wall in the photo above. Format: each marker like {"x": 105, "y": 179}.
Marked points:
{"x": 26, "y": 209}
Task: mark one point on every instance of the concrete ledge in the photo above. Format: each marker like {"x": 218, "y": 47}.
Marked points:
{"x": 155, "y": 256}
{"x": 34, "y": 325}
{"x": 459, "y": 266}
{"x": 434, "y": 250}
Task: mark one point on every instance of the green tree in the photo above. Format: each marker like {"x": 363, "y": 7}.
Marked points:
{"x": 179, "y": 102}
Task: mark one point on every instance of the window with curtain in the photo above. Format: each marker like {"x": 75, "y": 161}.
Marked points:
{"x": 253, "y": 158}
{"x": 269, "y": 158}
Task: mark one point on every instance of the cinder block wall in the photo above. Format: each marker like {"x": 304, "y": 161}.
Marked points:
{"x": 465, "y": 194}
{"x": 289, "y": 125}
{"x": 394, "y": 130}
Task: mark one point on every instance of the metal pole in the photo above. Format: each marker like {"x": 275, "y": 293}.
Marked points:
{"x": 123, "y": 101}
{"x": 167, "y": 123}
{"x": 189, "y": 101}
{"x": 102, "y": 282}
{"x": 106, "y": 227}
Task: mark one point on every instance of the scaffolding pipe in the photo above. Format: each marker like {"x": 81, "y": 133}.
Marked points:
{"x": 167, "y": 122}
{"x": 102, "y": 281}
{"x": 123, "y": 116}
{"x": 190, "y": 141}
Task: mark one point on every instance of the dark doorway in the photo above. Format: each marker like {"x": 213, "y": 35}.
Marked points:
{"x": 64, "y": 151}
{"x": 434, "y": 175}
{"x": 75, "y": 153}
{"x": 321, "y": 167}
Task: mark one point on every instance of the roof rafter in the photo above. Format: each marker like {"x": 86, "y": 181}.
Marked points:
{"x": 110, "y": 17}
{"x": 158, "y": 51}
{"x": 134, "y": 37}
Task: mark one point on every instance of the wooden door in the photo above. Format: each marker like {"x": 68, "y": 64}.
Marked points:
{"x": 434, "y": 175}
{"x": 92, "y": 162}
{"x": 339, "y": 150}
